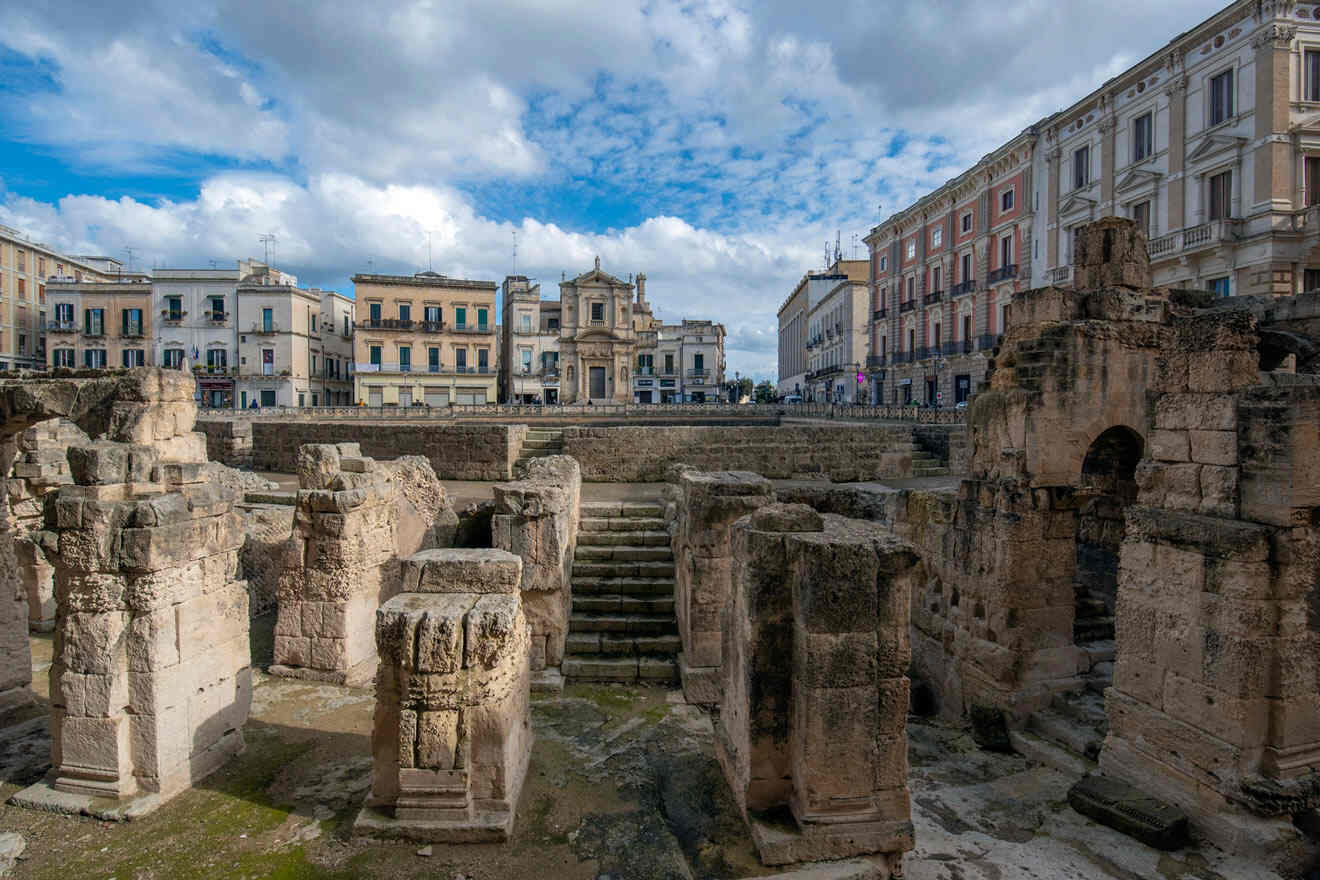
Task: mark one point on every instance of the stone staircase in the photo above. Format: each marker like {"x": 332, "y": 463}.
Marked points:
{"x": 1068, "y": 734}
{"x": 926, "y": 465}
{"x": 1094, "y": 621}
{"x": 622, "y": 627}
{"x": 539, "y": 443}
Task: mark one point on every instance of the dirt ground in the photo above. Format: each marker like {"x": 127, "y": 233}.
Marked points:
{"x": 623, "y": 785}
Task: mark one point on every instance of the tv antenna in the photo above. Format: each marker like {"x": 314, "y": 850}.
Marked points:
{"x": 130, "y": 251}
{"x": 428, "y": 252}
{"x": 268, "y": 239}
{"x": 515, "y": 252}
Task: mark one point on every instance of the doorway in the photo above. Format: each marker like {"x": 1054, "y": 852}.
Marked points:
{"x": 596, "y": 381}
{"x": 1108, "y": 486}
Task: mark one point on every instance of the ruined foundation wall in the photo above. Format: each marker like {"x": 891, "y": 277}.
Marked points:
{"x": 228, "y": 441}
{"x": 536, "y": 519}
{"x": 841, "y": 452}
{"x": 456, "y": 452}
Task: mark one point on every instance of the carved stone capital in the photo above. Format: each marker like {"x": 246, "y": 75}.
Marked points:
{"x": 1274, "y": 35}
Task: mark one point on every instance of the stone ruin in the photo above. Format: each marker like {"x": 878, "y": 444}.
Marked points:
{"x": 813, "y": 715}
{"x": 536, "y": 519}
{"x": 452, "y": 731}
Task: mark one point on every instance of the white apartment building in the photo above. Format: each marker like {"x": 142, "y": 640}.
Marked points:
{"x": 529, "y": 344}
{"x": 197, "y": 328}
{"x": 338, "y": 316}
{"x": 837, "y": 330}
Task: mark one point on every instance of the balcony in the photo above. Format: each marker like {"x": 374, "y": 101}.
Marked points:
{"x": 962, "y": 288}
{"x": 473, "y": 328}
{"x": 62, "y": 327}
{"x": 264, "y": 329}
{"x": 879, "y": 315}
{"x": 1003, "y": 273}
{"x": 94, "y": 331}
{"x": 644, "y": 371}
{"x": 700, "y": 376}
{"x": 875, "y": 362}
{"x": 1059, "y": 275}
{"x": 132, "y": 331}
{"x": 216, "y": 317}
{"x": 907, "y": 306}
{"x": 172, "y": 317}
{"x": 1194, "y": 238}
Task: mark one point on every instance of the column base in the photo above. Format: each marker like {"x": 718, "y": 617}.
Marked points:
{"x": 701, "y": 684}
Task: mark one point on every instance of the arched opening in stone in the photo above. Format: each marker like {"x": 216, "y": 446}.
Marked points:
{"x": 1108, "y": 485}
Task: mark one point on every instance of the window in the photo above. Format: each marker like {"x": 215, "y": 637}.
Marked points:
{"x": 552, "y": 324}
{"x": 433, "y": 359}
{"x": 698, "y": 362}
{"x": 1311, "y": 87}
{"x": 935, "y": 279}
{"x": 173, "y": 358}
{"x": 268, "y": 320}
{"x": 526, "y": 355}
{"x": 460, "y": 318}
{"x": 374, "y": 354}
{"x": 936, "y": 237}
{"x": 482, "y": 320}
{"x": 268, "y": 397}
{"x": 1006, "y": 251}
{"x": 131, "y": 323}
{"x": 405, "y": 358}
{"x": 268, "y": 362}
{"x": 526, "y": 323}
{"x": 41, "y": 267}
{"x": 94, "y": 322}
{"x": 134, "y": 357}
{"x": 967, "y": 222}
{"x": 598, "y": 313}
{"x": 1141, "y": 214}
{"x": 22, "y": 289}
{"x": 1081, "y": 167}
{"x": 966, "y": 267}
{"x": 1221, "y": 97}
{"x": 313, "y": 365}
{"x": 1218, "y": 286}
{"x": 936, "y": 337}
{"x": 1006, "y": 200}
{"x": 374, "y": 309}
{"x": 64, "y": 315}
{"x": 217, "y": 360}
{"x": 217, "y": 308}
{"x": 669, "y": 363}
{"x": 1310, "y": 280}
{"x": 62, "y": 357}
{"x": 1142, "y": 138}
{"x": 1312, "y": 180}
{"x": 22, "y": 343}
{"x": 884, "y": 264}
{"x": 483, "y": 360}
{"x": 460, "y": 359}
{"x": 346, "y": 327}
{"x": 911, "y": 288}
{"x": 433, "y": 314}
{"x": 173, "y": 308}
{"x": 1220, "y": 195}
{"x": 405, "y": 312}
{"x": 911, "y": 250}
{"x": 94, "y": 358}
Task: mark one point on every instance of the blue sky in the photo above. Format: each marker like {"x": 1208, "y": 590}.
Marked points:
{"x": 714, "y": 145}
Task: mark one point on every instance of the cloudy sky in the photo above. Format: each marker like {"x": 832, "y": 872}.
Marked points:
{"x": 715, "y": 145}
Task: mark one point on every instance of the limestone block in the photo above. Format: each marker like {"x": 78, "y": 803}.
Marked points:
{"x": 462, "y": 570}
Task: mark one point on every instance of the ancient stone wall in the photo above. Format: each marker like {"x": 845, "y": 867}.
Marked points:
{"x": 815, "y": 689}
{"x": 452, "y": 731}
{"x": 456, "y": 452}
{"x": 150, "y": 679}
{"x": 841, "y": 452}
{"x": 228, "y": 441}
{"x": 536, "y": 519}
{"x": 707, "y": 504}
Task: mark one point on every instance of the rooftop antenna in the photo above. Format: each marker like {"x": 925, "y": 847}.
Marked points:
{"x": 515, "y": 252}
{"x": 838, "y": 251}
{"x": 129, "y": 250}
{"x": 268, "y": 239}
{"x": 429, "y": 267}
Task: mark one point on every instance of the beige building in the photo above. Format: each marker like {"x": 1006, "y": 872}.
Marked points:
{"x": 597, "y": 342}
{"x": 837, "y": 330}
{"x": 425, "y": 339}
{"x": 25, "y": 269}
{"x": 99, "y": 324}
{"x": 793, "y": 320}
{"x": 279, "y": 341}
{"x": 529, "y": 344}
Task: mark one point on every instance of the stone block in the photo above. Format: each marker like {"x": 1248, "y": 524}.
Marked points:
{"x": 462, "y": 571}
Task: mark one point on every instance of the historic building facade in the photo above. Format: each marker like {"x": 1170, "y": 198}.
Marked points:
{"x": 794, "y": 356}
{"x": 597, "y": 342}
{"x": 529, "y": 344}
{"x": 99, "y": 324}
{"x": 425, "y": 339}
{"x": 279, "y": 341}
{"x": 837, "y": 330}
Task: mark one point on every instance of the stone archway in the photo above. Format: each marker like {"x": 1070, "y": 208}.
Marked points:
{"x": 1107, "y": 486}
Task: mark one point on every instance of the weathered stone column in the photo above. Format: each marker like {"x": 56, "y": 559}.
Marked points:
{"x": 536, "y": 519}
{"x": 452, "y": 733}
{"x": 344, "y": 533}
{"x": 15, "y": 652}
{"x": 150, "y": 684}
{"x": 708, "y": 503}
{"x": 824, "y": 733}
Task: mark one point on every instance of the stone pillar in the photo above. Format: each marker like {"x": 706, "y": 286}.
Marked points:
{"x": 452, "y": 732}
{"x": 1274, "y": 151}
{"x": 1177, "y": 189}
{"x": 150, "y": 681}
{"x": 345, "y": 534}
{"x": 15, "y": 652}
{"x": 708, "y": 503}
{"x": 823, "y": 734}
{"x": 536, "y": 519}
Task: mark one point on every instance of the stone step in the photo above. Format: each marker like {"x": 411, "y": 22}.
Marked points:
{"x": 930, "y": 471}
{"x": 621, "y": 524}
{"x": 624, "y": 586}
{"x": 618, "y": 569}
{"x": 1081, "y": 740}
{"x": 1035, "y": 748}
{"x": 605, "y": 668}
{"x": 599, "y": 509}
{"x": 1091, "y": 606}
{"x": 545, "y": 434}
{"x": 623, "y": 539}
{"x": 619, "y": 603}
{"x": 633, "y": 624}
{"x": 1084, "y": 708}
{"x": 617, "y": 644}
{"x": 1094, "y": 629}
{"x": 622, "y": 554}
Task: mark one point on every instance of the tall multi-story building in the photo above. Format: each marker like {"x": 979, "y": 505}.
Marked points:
{"x": 793, "y": 321}
{"x": 279, "y": 341}
{"x": 25, "y": 269}
{"x": 700, "y": 359}
{"x": 99, "y": 324}
{"x": 197, "y": 327}
{"x": 338, "y": 316}
{"x": 597, "y": 342}
{"x": 1211, "y": 143}
{"x": 424, "y": 339}
{"x": 837, "y": 330}
{"x": 529, "y": 346}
